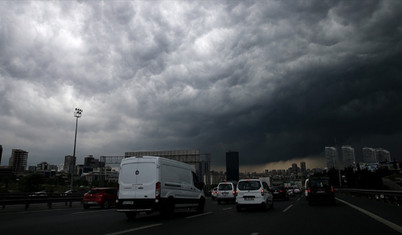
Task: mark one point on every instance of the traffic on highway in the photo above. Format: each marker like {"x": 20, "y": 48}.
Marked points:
{"x": 349, "y": 215}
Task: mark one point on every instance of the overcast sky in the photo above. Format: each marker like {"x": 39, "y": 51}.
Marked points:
{"x": 274, "y": 80}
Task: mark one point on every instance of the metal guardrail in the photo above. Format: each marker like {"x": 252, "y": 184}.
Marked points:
{"x": 390, "y": 196}
{"x": 29, "y": 198}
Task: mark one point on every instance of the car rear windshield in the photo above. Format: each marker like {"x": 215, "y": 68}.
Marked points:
{"x": 225, "y": 187}
{"x": 249, "y": 185}
{"x": 319, "y": 183}
{"x": 94, "y": 191}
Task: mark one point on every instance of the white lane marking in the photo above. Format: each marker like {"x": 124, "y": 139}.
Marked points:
{"x": 287, "y": 208}
{"x": 374, "y": 216}
{"x": 228, "y": 208}
{"x": 88, "y": 212}
{"x": 134, "y": 229}
{"x": 194, "y": 216}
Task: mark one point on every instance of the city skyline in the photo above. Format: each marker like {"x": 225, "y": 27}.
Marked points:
{"x": 280, "y": 165}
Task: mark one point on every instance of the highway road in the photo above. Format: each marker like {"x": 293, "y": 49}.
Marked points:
{"x": 349, "y": 216}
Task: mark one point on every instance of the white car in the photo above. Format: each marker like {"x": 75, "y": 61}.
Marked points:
{"x": 214, "y": 193}
{"x": 296, "y": 190}
{"x": 226, "y": 192}
{"x": 253, "y": 193}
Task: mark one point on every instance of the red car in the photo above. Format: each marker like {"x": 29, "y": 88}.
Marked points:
{"x": 103, "y": 197}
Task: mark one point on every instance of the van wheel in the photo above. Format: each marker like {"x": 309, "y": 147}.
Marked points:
{"x": 168, "y": 208}
{"x": 131, "y": 215}
{"x": 201, "y": 205}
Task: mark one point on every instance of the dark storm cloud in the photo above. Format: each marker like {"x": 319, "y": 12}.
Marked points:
{"x": 274, "y": 80}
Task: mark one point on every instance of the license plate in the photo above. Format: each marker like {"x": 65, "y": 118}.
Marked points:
{"x": 320, "y": 191}
{"x": 128, "y": 203}
{"x": 248, "y": 198}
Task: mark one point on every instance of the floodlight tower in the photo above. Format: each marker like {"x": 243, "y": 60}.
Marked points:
{"x": 77, "y": 114}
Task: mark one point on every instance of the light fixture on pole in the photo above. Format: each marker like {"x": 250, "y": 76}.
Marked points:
{"x": 77, "y": 114}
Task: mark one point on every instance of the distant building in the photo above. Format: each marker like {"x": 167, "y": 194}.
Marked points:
{"x": 91, "y": 162}
{"x": 382, "y": 155}
{"x": 348, "y": 156}
{"x": 18, "y": 160}
{"x": 69, "y": 164}
{"x": 1, "y": 153}
{"x": 294, "y": 168}
{"x": 369, "y": 155}
{"x": 331, "y": 157}
{"x": 232, "y": 166}
{"x": 303, "y": 167}
{"x": 43, "y": 166}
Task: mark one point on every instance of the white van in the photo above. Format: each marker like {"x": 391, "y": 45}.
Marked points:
{"x": 150, "y": 183}
{"x": 253, "y": 193}
{"x": 226, "y": 192}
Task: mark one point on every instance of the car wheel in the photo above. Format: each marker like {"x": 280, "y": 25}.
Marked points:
{"x": 201, "y": 205}
{"x": 106, "y": 204}
{"x": 131, "y": 215}
{"x": 86, "y": 206}
{"x": 264, "y": 206}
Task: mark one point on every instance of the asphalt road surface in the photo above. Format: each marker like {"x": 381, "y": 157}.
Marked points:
{"x": 348, "y": 216}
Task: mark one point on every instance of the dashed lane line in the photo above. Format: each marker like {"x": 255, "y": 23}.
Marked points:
{"x": 287, "y": 208}
{"x": 134, "y": 229}
{"x": 374, "y": 216}
{"x": 194, "y": 216}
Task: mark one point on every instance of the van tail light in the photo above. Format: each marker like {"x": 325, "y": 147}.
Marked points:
{"x": 262, "y": 192}
{"x": 158, "y": 190}
{"x": 332, "y": 189}
{"x": 309, "y": 190}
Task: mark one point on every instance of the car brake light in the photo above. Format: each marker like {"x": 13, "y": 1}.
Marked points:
{"x": 332, "y": 189}
{"x": 281, "y": 191}
{"x": 158, "y": 190}
{"x": 234, "y": 192}
{"x": 309, "y": 190}
{"x": 262, "y": 192}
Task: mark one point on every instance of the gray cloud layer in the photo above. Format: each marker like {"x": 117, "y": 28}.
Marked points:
{"x": 274, "y": 80}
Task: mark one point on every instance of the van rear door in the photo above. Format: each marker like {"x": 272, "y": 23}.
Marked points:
{"x": 146, "y": 179}
{"x": 137, "y": 179}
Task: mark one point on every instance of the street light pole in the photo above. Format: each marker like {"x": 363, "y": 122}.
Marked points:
{"x": 77, "y": 114}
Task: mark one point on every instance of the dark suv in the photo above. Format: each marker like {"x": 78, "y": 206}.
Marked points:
{"x": 103, "y": 197}
{"x": 319, "y": 189}
{"x": 280, "y": 192}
